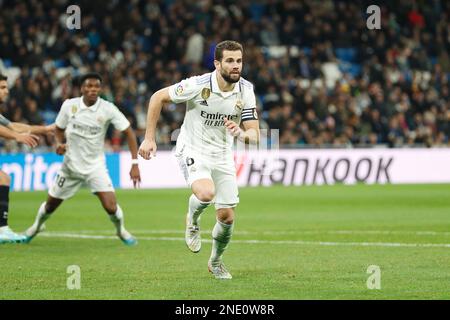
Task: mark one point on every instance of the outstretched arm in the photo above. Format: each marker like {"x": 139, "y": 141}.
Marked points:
{"x": 25, "y": 128}
{"x": 28, "y": 139}
{"x": 158, "y": 99}
{"x": 135, "y": 174}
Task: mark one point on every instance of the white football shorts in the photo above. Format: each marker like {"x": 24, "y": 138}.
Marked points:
{"x": 68, "y": 182}
{"x": 220, "y": 170}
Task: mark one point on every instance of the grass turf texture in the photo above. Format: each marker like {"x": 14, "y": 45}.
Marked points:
{"x": 328, "y": 232}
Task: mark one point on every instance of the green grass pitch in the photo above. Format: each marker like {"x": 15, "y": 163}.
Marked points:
{"x": 289, "y": 243}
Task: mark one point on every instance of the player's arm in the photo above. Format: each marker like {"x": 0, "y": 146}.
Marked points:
{"x": 158, "y": 99}
{"x": 25, "y": 128}
{"x": 60, "y": 139}
{"x": 28, "y": 139}
{"x": 135, "y": 174}
{"x": 249, "y": 132}
{"x": 61, "y": 122}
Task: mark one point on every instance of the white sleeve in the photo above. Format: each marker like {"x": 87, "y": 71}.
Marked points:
{"x": 3, "y": 121}
{"x": 63, "y": 116}
{"x": 249, "y": 110}
{"x": 118, "y": 120}
{"x": 184, "y": 90}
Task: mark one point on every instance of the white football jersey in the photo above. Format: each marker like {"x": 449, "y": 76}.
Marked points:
{"x": 203, "y": 128}
{"x": 85, "y": 130}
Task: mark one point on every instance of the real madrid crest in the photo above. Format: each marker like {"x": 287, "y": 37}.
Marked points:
{"x": 74, "y": 110}
{"x": 206, "y": 92}
{"x": 239, "y": 105}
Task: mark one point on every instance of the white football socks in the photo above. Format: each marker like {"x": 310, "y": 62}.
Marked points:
{"x": 118, "y": 220}
{"x": 41, "y": 217}
{"x": 221, "y": 237}
{"x": 196, "y": 207}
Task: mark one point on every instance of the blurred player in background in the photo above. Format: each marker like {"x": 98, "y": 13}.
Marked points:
{"x": 217, "y": 104}
{"x": 81, "y": 126}
{"x": 22, "y": 133}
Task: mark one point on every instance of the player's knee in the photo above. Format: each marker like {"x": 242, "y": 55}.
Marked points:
{"x": 225, "y": 215}
{"x": 5, "y": 180}
{"x": 228, "y": 220}
{"x": 205, "y": 195}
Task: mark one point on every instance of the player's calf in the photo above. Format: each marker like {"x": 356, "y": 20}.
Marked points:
{"x": 119, "y": 222}
{"x": 203, "y": 193}
{"x": 38, "y": 225}
{"x": 192, "y": 234}
{"x": 109, "y": 203}
{"x": 196, "y": 208}
{"x": 221, "y": 234}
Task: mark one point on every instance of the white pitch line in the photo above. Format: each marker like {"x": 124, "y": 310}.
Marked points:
{"x": 295, "y": 242}
{"x": 273, "y": 232}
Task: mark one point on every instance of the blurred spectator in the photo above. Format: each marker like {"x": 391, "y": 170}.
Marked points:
{"x": 321, "y": 77}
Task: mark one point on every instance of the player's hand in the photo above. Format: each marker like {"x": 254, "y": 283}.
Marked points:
{"x": 61, "y": 149}
{"x": 232, "y": 127}
{"x": 50, "y": 129}
{"x": 147, "y": 150}
{"x": 135, "y": 175}
{"x": 30, "y": 140}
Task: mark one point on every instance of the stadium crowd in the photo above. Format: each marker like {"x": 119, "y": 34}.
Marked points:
{"x": 321, "y": 76}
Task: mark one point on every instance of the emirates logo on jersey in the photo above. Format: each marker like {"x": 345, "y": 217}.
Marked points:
{"x": 216, "y": 119}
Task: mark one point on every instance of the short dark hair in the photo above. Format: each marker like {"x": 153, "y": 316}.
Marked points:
{"x": 91, "y": 75}
{"x": 226, "y": 45}
{"x": 3, "y": 78}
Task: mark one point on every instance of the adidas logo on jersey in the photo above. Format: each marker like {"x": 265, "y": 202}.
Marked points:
{"x": 204, "y": 103}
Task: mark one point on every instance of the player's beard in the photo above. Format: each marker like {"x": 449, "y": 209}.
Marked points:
{"x": 228, "y": 78}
